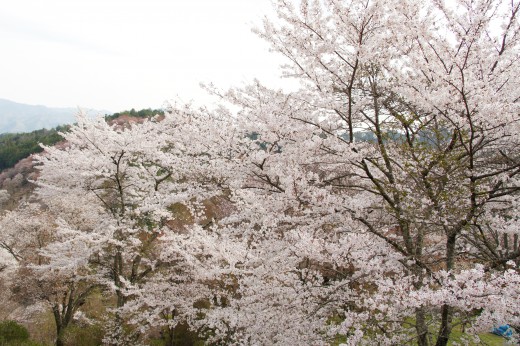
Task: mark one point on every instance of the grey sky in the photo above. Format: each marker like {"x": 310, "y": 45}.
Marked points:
{"x": 119, "y": 54}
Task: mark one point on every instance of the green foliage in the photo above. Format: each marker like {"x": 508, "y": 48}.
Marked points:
{"x": 16, "y": 146}
{"x": 143, "y": 113}
{"x": 20, "y": 343}
{"x": 12, "y": 333}
{"x": 91, "y": 335}
{"x": 459, "y": 338}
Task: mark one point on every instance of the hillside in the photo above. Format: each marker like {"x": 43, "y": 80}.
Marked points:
{"x": 18, "y": 117}
{"x": 16, "y": 146}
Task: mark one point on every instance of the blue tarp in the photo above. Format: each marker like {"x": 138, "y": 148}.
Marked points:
{"x": 504, "y": 330}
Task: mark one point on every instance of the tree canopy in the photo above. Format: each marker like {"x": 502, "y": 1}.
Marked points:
{"x": 377, "y": 204}
{"x": 16, "y": 146}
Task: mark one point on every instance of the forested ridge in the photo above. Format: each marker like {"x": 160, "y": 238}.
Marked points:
{"x": 143, "y": 113}
{"x": 16, "y": 146}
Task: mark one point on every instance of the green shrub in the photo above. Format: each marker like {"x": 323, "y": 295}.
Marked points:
{"x": 11, "y": 331}
{"x": 91, "y": 335}
{"x": 21, "y": 343}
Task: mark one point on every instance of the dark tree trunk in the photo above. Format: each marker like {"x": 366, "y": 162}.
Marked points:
{"x": 421, "y": 327}
{"x": 445, "y": 329}
{"x": 59, "y": 325}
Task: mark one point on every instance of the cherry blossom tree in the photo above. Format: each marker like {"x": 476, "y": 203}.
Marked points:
{"x": 106, "y": 168}
{"x": 25, "y": 231}
{"x": 377, "y": 204}
{"x": 435, "y": 184}
{"x": 43, "y": 275}
{"x": 134, "y": 179}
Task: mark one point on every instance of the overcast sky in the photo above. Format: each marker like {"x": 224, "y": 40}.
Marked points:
{"x": 121, "y": 54}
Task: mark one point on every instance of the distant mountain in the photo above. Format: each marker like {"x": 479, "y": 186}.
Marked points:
{"x": 18, "y": 117}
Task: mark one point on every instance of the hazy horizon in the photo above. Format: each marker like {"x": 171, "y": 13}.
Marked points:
{"x": 16, "y": 117}
{"x": 138, "y": 54}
